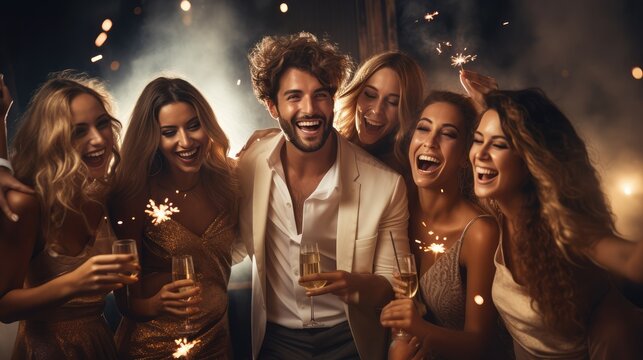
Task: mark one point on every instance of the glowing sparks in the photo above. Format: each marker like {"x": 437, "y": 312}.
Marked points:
{"x": 637, "y": 73}
{"x": 97, "y": 58}
{"x": 505, "y": 23}
{"x": 184, "y": 347}
{"x": 442, "y": 191}
{"x": 439, "y": 49}
{"x": 430, "y": 16}
{"x": 133, "y": 218}
{"x": 161, "y": 213}
{"x": 283, "y": 7}
{"x": 423, "y": 224}
{"x": 100, "y": 39}
{"x": 460, "y": 59}
{"x": 106, "y": 25}
{"x": 436, "y": 248}
{"x": 478, "y": 299}
{"x": 186, "y": 5}
{"x": 238, "y": 82}
{"x": 120, "y": 222}
{"x": 418, "y": 241}
{"x": 430, "y": 232}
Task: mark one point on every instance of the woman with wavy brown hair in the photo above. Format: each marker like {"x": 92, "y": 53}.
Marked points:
{"x": 55, "y": 261}
{"x": 175, "y": 152}
{"x": 558, "y": 239}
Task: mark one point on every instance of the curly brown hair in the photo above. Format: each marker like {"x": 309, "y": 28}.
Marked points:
{"x": 273, "y": 55}
{"x": 565, "y": 211}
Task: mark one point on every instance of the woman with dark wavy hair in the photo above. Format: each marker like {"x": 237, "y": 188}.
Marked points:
{"x": 175, "y": 151}
{"x": 558, "y": 241}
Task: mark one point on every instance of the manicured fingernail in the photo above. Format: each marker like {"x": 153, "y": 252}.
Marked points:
{"x": 15, "y": 218}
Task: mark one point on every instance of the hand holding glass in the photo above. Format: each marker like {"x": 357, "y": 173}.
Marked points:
{"x": 127, "y": 246}
{"x": 408, "y": 275}
{"x": 183, "y": 269}
{"x": 309, "y": 263}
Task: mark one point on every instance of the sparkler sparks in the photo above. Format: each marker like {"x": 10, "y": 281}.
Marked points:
{"x": 184, "y": 347}
{"x": 162, "y": 212}
{"x": 435, "y": 248}
{"x": 478, "y": 299}
{"x": 439, "y": 49}
{"x": 460, "y": 59}
{"x": 430, "y": 16}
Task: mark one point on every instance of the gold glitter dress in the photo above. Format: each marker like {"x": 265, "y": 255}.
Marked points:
{"x": 211, "y": 254}
{"x": 76, "y": 329}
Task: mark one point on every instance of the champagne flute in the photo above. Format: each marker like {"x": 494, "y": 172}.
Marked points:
{"x": 126, "y": 246}
{"x": 183, "y": 268}
{"x": 309, "y": 263}
{"x": 408, "y": 275}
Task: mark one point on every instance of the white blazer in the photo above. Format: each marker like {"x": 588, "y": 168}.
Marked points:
{"x": 372, "y": 203}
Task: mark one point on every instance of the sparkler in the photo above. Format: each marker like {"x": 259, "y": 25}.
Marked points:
{"x": 162, "y": 212}
{"x": 439, "y": 48}
{"x": 460, "y": 59}
{"x": 430, "y": 16}
{"x": 436, "y": 248}
{"x": 184, "y": 347}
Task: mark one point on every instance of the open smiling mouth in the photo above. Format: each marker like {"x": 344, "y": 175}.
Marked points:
{"x": 427, "y": 163}
{"x": 95, "y": 158}
{"x": 485, "y": 174}
{"x": 309, "y": 125}
{"x": 188, "y": 155}
{"x": 373, "y": 126}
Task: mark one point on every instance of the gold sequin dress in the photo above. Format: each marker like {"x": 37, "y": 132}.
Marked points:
{"x": 211, "y": 254}
{"x": 76, "y": 329}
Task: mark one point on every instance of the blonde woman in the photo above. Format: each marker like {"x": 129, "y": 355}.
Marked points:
{"x": 558, "y": 240}
{"x": 174, "y": 149}
{"x": 55, "y": 266}
{"x": 376, "y": 108}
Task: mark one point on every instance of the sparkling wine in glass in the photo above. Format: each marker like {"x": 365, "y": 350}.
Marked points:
{"x": 183, "y": 269}
{"x": 126, "y": 246}
{"x": 409, "y": 275}
{"x": 309, "y": 263}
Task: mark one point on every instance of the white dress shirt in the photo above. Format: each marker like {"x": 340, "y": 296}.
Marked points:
{"x": 287, "y": 303}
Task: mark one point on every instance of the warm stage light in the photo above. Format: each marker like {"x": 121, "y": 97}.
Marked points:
{"x": 186, "y": 5}
{"x": 283, "y": 7}
{"x": 97, "y": 58}
{"x": 637, "y": 73}
{"x": 107, "y": 25}
{"x": 100, "y": 39}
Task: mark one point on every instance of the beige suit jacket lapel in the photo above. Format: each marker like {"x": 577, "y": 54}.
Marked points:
{"x": 261, "y": 198}
{"x": 348, "y": 206}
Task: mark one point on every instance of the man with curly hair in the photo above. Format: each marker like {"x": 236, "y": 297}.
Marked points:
{"x": 305, "y": 185}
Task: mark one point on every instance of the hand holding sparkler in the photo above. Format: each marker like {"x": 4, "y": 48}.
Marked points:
{"x": 477, "y": 86}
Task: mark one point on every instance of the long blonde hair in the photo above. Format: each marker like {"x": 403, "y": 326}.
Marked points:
{"x": 42, "y": 152}
{"x": 411, "y": 94}
{"x": 142, "y": 159}
{"x": 565, "y": 210}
